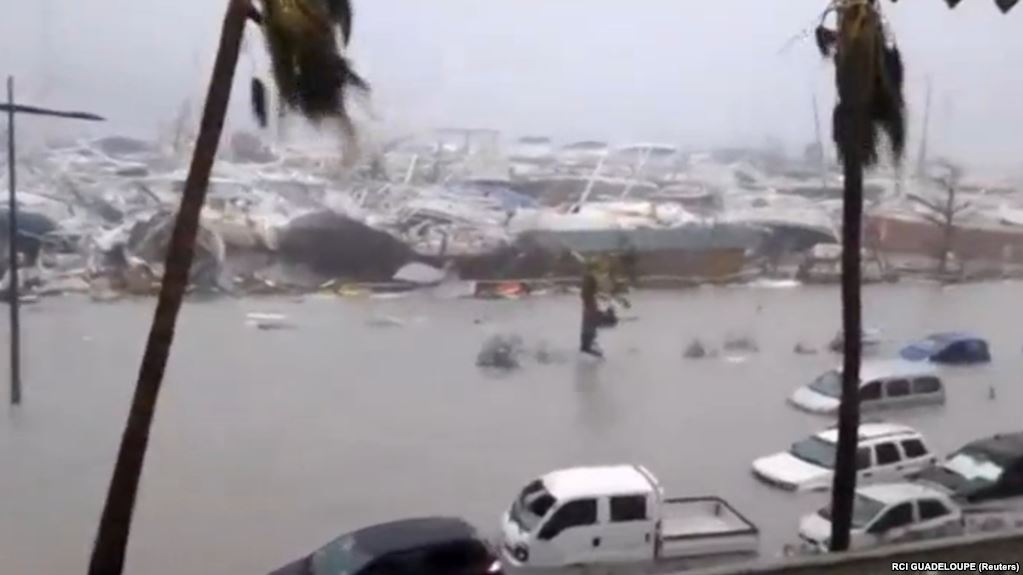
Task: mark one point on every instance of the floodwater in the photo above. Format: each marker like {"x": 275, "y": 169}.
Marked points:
{"x": 269, "y": 443}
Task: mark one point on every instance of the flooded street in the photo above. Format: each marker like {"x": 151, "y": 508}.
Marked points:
{"x": 269, "y": 443}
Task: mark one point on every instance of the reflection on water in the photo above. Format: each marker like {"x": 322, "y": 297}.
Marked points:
{"x": 268, "y": 443}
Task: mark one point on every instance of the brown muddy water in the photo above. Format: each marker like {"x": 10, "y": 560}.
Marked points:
{"x": 269, "y": 443}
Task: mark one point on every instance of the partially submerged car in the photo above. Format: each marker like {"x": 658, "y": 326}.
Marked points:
{"x": 422, "y": 546}
{"x": 870, "y": 341}
{"x": 883, "y": 384}
{"x": 886, "y": 451}
{"x": 984, "y": 476}
{"x": 953, "y": 348}
{"x": 885, "y": 514}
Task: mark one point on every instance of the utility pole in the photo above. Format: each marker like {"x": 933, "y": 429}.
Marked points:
{"x": 13, "y": 295}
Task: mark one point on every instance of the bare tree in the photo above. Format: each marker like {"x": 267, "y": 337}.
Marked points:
{"x": 943, "y": 214}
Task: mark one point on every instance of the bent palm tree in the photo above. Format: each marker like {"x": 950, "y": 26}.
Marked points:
{"x": 317, "y": 93}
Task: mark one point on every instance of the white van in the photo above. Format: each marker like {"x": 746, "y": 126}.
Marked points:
{"x": 888, "y": 383}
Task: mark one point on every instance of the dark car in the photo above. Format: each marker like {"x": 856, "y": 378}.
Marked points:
{"x": 424, "y": 546}
{"x": 949, "y": 348}
{"x": 983, "y": 470}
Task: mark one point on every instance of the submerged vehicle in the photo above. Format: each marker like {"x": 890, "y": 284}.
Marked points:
{"x": 884, "y": 384}
{"x": 886, "y": 451}
{"x": 618, "y": 515}
{"x": 870, "y": 340}
{"x": 421, "y": 546}
{"x": 885, "y": 514}
{"x": 985, "y": 477}
{"x": 949, "y": 348}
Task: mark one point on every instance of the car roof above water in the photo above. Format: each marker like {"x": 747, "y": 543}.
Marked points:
{"x": 889, "y": 493}
{"x": 410, "y": 534}
{"x": 873, "y": 431}
{"x": 875, "y": 369}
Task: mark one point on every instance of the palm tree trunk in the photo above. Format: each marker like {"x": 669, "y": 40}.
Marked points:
{"x": 844, "y": 487}
{"x": 115, "y": 524}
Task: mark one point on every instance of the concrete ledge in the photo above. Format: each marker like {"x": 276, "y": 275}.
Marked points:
{"x": 1003, "y": 547}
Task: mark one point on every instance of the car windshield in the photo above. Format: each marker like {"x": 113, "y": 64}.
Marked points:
{"x": 829, "y": 384}
{"x": 922, "y": 349}
{"x": 340, "y": 557}
{"x": 531, "y": 506}
{"x": 864, "y": 511}
{"x": 973, "y": 465}
{"x": 816, "y": 451}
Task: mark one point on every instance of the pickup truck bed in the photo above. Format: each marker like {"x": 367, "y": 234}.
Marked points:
{"x": 702, "y": 526}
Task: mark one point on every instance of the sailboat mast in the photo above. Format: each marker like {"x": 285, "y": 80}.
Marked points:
{"x": 921, "y": 165}
{"x": 820, "y": 140}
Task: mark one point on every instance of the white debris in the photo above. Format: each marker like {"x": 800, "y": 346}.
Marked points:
{"x": 420, "y": 274}
{"x": 268, "y": 321}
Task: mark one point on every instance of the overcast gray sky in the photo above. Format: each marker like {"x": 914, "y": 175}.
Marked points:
{"x": 680, "y": 71}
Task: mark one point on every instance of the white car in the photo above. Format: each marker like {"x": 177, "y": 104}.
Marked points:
{"x": 885, "y": 514}
{"x": 886, "y": 452}
{"x": 885, "y": 383}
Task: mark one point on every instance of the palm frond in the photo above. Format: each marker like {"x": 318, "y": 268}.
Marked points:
{"x": 311, "y": 74}
{"x": 869, "y": 76}
{"x": 341, "y": 14}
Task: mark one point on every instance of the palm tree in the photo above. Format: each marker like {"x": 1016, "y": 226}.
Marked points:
{"x": 311, "y": 75}
{"x": 868, "y": 78}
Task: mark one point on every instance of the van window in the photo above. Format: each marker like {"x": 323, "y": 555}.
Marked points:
{"x": 931, "y": 509}
{"x": 887, "y": 453}
{"x": 572, "y": 514}
{"x": 897, "y": 388}
{"x": 628, "y": 508}
{"x": 863, "y": 458}
{"x": 914, "y": 448}
{"x": 870, "y": 392}
{"x": 926, "y": 385}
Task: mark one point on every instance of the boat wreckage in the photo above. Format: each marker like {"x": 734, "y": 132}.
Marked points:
{"x": 96, "y": 216}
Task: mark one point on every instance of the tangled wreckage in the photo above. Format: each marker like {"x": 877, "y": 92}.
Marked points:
{"x": 96, "y": 216}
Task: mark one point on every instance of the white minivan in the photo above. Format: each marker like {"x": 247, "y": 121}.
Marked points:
{"x": 886, "y": 383}
{"x": 886, "y": 452}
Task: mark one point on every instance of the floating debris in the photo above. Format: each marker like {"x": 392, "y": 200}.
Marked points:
{"x": 697, "y": 350}
{"x": 502, "y": 351}
{"x": 741, "y": 344}
{"x": 268, "y": 321}
{"x": 804, "y": 349}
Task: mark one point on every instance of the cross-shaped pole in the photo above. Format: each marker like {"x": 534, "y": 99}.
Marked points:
{"x": 13, "y": 298}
